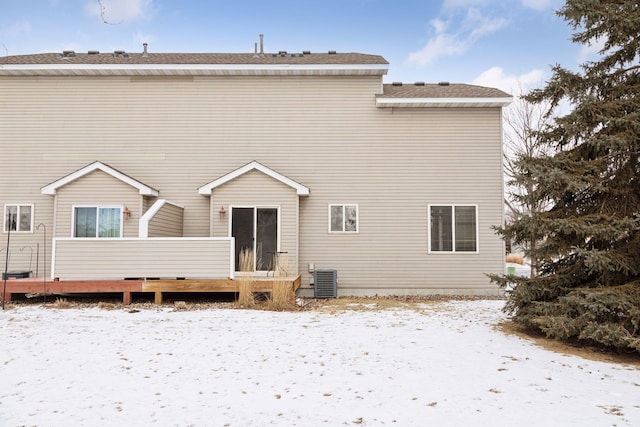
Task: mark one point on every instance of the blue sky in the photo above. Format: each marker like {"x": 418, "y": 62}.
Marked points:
{"x": 487, "y": 42}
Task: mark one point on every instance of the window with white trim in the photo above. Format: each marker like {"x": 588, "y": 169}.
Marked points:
{"x": 97, "y": 221}
{"x": 18, "y": 218}
{"x": 343, "y": 218}
{"x": 453, "y": 228}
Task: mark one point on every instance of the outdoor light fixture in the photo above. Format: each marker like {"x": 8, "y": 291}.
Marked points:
{"x": 126, "y": 212}
{"x": 222, "y": 212}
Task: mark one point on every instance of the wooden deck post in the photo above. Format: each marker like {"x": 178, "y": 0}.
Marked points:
{"x": 158, "y": 298}
{"x": 126, "y": 298}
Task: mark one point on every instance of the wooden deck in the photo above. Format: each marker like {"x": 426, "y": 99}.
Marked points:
{"x": 35, "y": 285}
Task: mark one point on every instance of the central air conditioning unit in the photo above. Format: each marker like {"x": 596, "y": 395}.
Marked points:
{"x": 325, "y": 284}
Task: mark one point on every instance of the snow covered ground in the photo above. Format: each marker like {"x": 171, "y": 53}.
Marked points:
{"x": 442, "y": 364}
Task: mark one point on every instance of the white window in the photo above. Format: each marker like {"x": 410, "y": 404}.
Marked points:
{"x": 18, "y": 218}
{"x": 97, "y": 221}
{"x": 343, "y": 218}
{"x": 453, "y": 228}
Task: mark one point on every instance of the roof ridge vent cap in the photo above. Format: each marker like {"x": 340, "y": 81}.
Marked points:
{"x": 93, "y": 52}
{"x": 332, "y": 52}
{"x": 68, "y": 53}
{"x": 419, "y": 83}
{"x": 306, "y": 52}
{"x": 443, "y": 83}
{"x": 396, "y": 84}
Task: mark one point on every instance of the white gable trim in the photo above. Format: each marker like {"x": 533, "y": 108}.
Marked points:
{"x": 206, "y": 189}
{"x": 52, "y": 188}
{"x": 442, "y": 102}
{"x": 143, "y": 225}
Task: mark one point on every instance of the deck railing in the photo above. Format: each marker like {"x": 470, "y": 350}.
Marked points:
{"x": 139, "y": 258}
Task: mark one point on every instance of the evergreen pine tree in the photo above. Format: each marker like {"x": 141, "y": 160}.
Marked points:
{"x": 588, "y": 287}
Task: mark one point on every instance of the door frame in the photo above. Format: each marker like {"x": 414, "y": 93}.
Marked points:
{"x": 255, "y": 231}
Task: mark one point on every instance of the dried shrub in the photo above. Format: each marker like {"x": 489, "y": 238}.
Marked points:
{"x": 180, "y": 306}
{"x": 106, "y": 305}
{"x": 62, "y": 303}
{"x": 515, "y": 258}
{"x": 282, "y": 296}
{"x": 246, "y": 295}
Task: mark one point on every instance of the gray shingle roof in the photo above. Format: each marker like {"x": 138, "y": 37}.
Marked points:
{"x": 281, "y": 63}
{"x": 194, "y": 58}
{"x": 452, "y": 90}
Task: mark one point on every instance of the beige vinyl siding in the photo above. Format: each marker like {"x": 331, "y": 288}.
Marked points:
{"x": 96, "y": 189}
{"x": 147, "y": 202}
{"x": 324, "y": 132}
{"x": 439, "y": 156}
{"x": 255, "y": 189}
{"x": 167, "y": 222}
{"x": 117, "y": 259}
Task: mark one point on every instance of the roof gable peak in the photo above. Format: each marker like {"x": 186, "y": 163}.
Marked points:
{"x": 51, "y": 189}
{"x": 207, "y": 189}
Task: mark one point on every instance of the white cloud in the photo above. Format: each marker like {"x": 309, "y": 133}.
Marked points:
{"x": 537, "y": 4}
{"x": 16, "y": 29}
{"x": 510, "y": 83}
{"x": 444, "y": 43}
{"x": 116, "y": 11}
{"x": 441, "y": 45}
{"x": 591, "y": 50}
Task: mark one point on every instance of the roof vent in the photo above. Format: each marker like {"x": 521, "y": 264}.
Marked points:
{"x": 332, "y": 52}
{"x": 120, "y": 53}
{"x": 282, "y": 52}
{"x": 93, "y": 52}
{"x": 145, "y": 54}
{"x": 306, "y": 52}
{"x": 443, "y": 83}
{"x": 68, "y": 53}
{"x": 396, "y": 83}
{"x": 419, "y": 83}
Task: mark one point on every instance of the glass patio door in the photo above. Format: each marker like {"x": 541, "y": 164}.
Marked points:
{"x": 255, "y": 229}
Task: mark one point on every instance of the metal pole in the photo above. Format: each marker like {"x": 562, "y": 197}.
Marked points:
{"x": 44, "y": 263}
{"x": 37, "y": 258}
{"x": 6, "y": 265}
{"x": 30, "y": 257}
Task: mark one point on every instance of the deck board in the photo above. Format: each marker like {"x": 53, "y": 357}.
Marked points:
{"x": 35, "y": 285}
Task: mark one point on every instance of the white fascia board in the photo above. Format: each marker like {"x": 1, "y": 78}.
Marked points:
{"x": 443, "y": 102}
{"x": 52, "y": 188}
{"x": 222, "y": 68}
{"x": 206, "y": 189}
